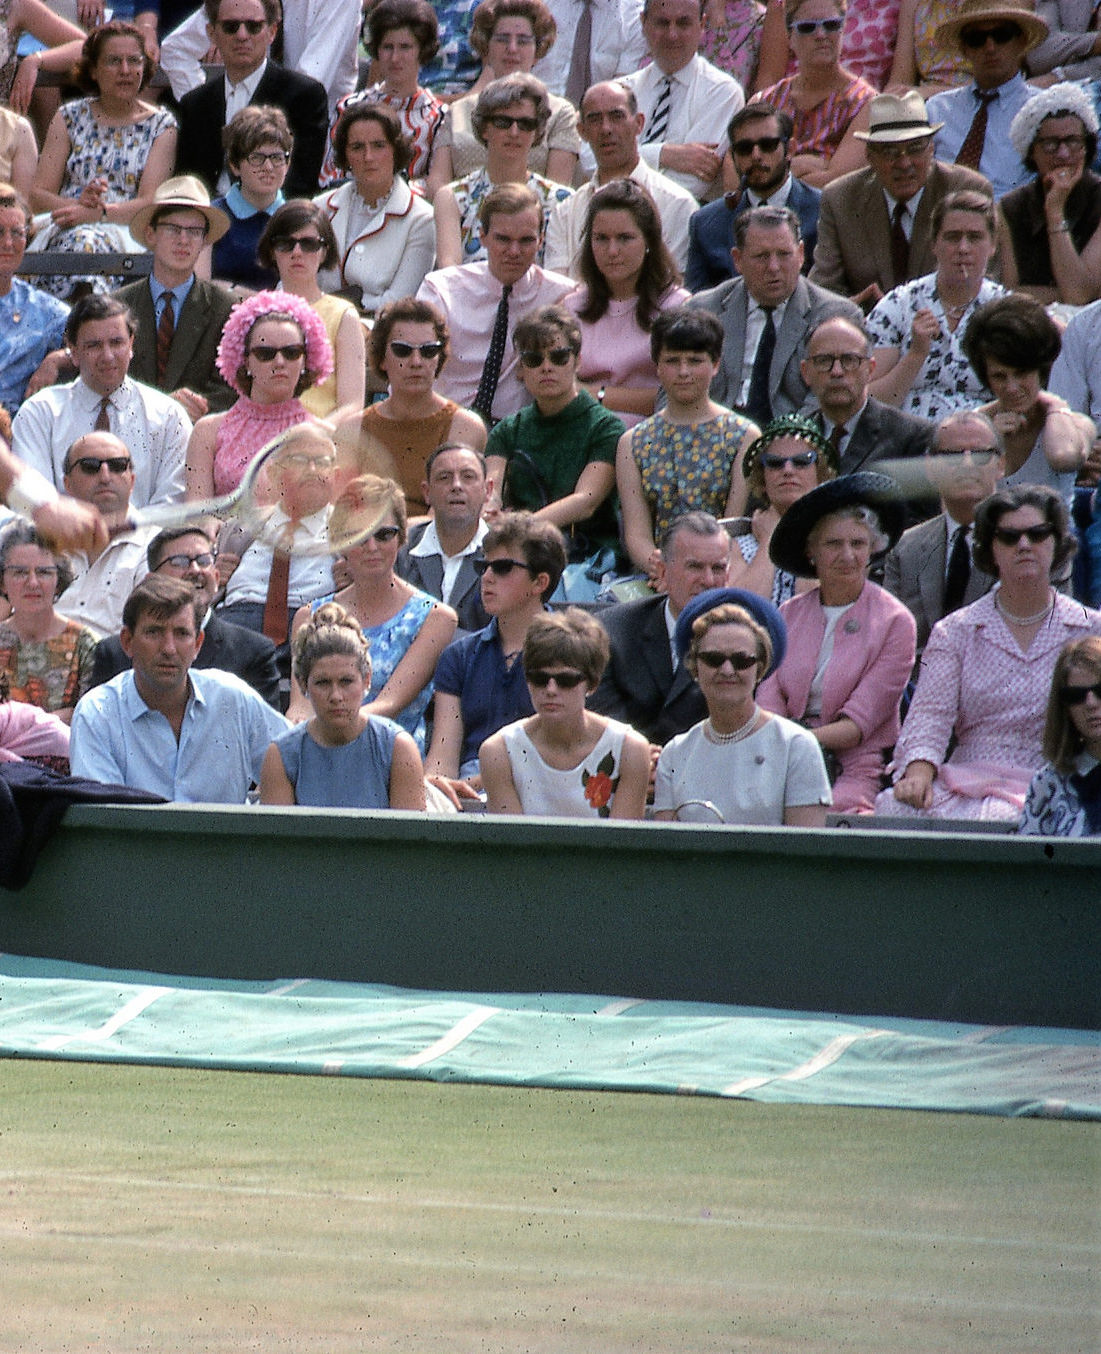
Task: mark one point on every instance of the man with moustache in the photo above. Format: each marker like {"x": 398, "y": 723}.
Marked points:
{"x": 758, "y": 137}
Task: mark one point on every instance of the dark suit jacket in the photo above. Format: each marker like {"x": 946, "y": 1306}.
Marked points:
{"x": 640, "y": 686}
{"x": 227, "y": 646}
{"x": 194, "y": 344}
{"x": 806, "y": 308}
{"x": 426, "y": 572}
{"x": 883, "y": 433}
{"x": 711, "y": 235}
{"x": 203, "y": 113}
{"x": 914, "y": 571}
{"x": 854, "y": 229}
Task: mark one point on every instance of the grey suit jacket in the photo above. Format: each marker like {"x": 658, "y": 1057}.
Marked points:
{"x": 854, "y": 229}
{"x": 914, "y": 572}
{"x": 426, "y": 572}
{"x": 194, "y": 344}
{"x": 806, "y": 308}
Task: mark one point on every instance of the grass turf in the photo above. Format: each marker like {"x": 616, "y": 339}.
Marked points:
{"x": 158, "y": 1209}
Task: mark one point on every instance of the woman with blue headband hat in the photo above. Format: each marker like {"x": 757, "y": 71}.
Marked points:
{"x": 741, "y": 764}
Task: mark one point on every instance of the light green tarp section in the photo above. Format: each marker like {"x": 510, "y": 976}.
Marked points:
{"x": 55, "y": 1010}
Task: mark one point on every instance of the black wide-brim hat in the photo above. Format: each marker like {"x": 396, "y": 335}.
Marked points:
{"x": 788, "y": 547}
{"x": 760, "y": 608}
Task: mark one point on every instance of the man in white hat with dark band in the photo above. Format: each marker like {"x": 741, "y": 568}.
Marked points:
{"x": 874, "y": 224}
{"x": 179, "y": 316}
{"x": 993, "y": 36}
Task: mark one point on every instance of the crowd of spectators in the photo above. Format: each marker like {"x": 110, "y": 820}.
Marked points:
{"x": 728, "y": 375}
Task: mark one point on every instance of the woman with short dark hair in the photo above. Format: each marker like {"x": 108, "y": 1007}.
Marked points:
{"x": 688, "y": 455}
{"x": 986, "y": 670}
{"x": 258, "y": 146}
{"x": 1011, "y": 344}
{"x": 386, "y": 240}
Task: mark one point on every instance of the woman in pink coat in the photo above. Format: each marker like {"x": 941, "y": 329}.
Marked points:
{"x": 850, "y": 643}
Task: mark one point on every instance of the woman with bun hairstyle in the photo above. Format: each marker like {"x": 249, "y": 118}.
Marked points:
{"x": 343, "y": 757}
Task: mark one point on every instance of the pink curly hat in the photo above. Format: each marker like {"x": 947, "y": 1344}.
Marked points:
{"x": 231, "y": 350}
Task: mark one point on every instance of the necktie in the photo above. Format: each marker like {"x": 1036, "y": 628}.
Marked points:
{"x": 659, "y": 119}
{"x": 757, "y": 405}
{"x": 836, "y": 438}
{"x": 900, "y": 245}
{"x": 581, "y": 68}
{"x": 959, "y": 571}
{"x": 103, "y": 423}
{"x": 491, "y": 372}
{"x": 165, "y": 332}
{"x": 970, "y": 153}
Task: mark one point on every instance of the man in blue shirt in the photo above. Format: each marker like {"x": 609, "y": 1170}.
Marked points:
{"x": 32, "y": 322}
{"x": 190, "y": 736}
{"x": 993, "y": 36}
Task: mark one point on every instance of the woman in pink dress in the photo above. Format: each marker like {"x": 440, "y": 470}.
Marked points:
{"x": 986, "y": 670}
{"x": 273, "y": 347}
{"x": 628, "y": 278}
{"x": 826, "y": 101}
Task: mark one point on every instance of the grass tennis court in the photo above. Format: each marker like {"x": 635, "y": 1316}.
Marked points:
{"x": 155, "y": 1209}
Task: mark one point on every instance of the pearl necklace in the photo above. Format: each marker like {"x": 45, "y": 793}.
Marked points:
{"x": 1025, "y": 620}
{"x": 714, "y": 736}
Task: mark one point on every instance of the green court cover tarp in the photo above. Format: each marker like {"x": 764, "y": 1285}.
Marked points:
{"x": 50, "y": 1009}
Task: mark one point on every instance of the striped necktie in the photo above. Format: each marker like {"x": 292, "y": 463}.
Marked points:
{"x": 659, "y": 119}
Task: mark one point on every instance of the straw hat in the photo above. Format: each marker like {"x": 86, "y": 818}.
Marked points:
{"x": 184, "y": 191}
{"x": 972, "y": 12}
{"x": 788, "y": 547}
{"x": 897, "y": 117}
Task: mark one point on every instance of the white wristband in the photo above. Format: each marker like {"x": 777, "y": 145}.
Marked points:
{"x": 30, "y": 490}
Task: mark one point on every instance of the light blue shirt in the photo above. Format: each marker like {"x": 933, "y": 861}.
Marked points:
{"x": 178, "y": 294}
{"x": 956, "y": 108}
{"x": 227, "y": 728}
{"x": 32, "y": 323}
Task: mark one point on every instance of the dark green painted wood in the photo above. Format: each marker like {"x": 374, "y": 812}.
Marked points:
{"x": 960, "y": 926}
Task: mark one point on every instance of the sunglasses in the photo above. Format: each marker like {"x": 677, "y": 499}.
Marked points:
{"x": 203, "y": 561}
{"x": 979, "y": 455}
{"x": 1070, "y": 695}
{"x": 746, "y": 144}
{"x": 429, "y": 351}
{"x": 500, "y": 568}
{"x": 309, "y": 244}
{"x": 825, "y": 361}
{"x": 565, "y": 681}
{"x": 251, "y": 26}
{"x": 974, "y": 38}
{"x": 384, "y": 535}
{"x": 805, "y": 27}
{"x": 90, "y": 465}
{"x": 773, "y": 460}
{"x": 503, "y": 122}
{"x": 715, "y": 658}
{"x": 532, "y": 358}
{"x": 267, "y": 352}
{"x": 1012, "y": 535}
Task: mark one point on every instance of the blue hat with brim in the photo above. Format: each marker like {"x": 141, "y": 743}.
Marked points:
{"x": 762, "y": 611}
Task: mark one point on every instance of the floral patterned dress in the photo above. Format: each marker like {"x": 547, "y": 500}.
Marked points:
{"x": 389, "y": 643}
{"x": 686, "y": 467}
{"x": 469, "y": 193}
{"x": 51, "y": 673}
{"x": 1053, "y": 806}
{"x": 946, "y": 381}
{"x": 119, "y": 155}
{"x": 735, "y": 44}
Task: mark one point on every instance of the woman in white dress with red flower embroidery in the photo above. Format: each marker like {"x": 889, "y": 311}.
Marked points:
{"x": 564, "y": 761}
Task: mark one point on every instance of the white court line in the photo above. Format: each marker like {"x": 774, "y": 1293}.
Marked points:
{"x": 287, "y": 987}
{"x": 452, "y": 1039}
{"x": 123, "y": 1016}
{"x": 822, "y": 1059}
{"x": 615, "y": 1008}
